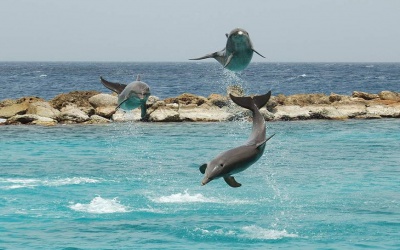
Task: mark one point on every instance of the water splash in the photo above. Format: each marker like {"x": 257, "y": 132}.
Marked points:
{"x": 100, "y": 205}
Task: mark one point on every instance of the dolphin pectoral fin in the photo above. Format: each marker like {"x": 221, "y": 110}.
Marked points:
{"x": 212, "y": 55}
{"x": 230, "y": 180}
{"x": 228, "y": 60}
{"x": 258, "y": 53}
{"x": 121, "y": 103}
{"x": 202, "y": 168}
{"x": 113, "y": 86}
{"x": 261, "y": 144}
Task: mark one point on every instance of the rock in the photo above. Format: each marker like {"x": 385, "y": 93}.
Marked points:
{"x": 72, "y": 114}
{"x": 79, "y": 98}
{"x": 385, "y": 111}
{"x": 186, "y": 99}
{"x": 96, "y": 119}
{"x": 306, "y": 99}
{"x": 218, "y": 100}
{"x": 335, "y": 97}
{"x": 103, "y": 100}
{"x": 122, "y": 116}
{"x": 31, "y": 119}
{"x": 365, "y": 96}
{"x": 152, "y": 100}
{"x": 291, "y": 112}
{"x": 388, "y": 95}
{"x": 43, "y": 109}
{"x": 351, "y": 110}
{"x": 9, "y": 108}
{"x": 235, "y": 90}
{"x": 106, "y": 112}
{"x": 203, "y": 113}
{"x": 167, "y": 113}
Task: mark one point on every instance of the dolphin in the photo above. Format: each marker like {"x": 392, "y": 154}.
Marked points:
{"x": 237, "y": 53}
{"x": 238, "y": 159}
{"x": 130, "y": 96}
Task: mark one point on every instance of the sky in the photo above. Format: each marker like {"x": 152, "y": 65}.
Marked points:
{"x": 176, "y": 30}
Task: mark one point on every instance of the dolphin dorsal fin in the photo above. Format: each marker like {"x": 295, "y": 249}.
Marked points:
{"x": 138, "y": 78}
{"x": 227, "y": 35}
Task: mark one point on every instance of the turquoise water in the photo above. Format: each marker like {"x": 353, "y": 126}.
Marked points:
{"x": 319, "y": 185}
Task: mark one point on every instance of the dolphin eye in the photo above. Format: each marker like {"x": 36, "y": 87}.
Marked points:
{"x": 221, "y": 165}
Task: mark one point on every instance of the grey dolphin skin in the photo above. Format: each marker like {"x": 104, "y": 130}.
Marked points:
{"x": 238, "y": 51}
{"x": 130, "y": 96}
{"x": 238, "y": 159}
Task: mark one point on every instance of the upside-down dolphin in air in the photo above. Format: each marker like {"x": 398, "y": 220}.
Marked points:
{"x": 237, "y": 53}
{"x": 238, "y": 159}
{"x": 130, "y": 96}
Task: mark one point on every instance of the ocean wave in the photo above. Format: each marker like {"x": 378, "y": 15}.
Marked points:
{"x": 101, "y": 206}
{"x": 259, "y": 233}
{"x": 14, "y": 183}
{"x": 186, "y": 197}
{"x": 183, "y": 198}
{"x": 252, "y": 232}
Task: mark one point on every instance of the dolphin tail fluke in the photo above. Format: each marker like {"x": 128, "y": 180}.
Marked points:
{"x": 258, "y": 53}
{"x": 248, "y": 101}
{"x": 230, "y": 180}
{"x": 116, "y": 87}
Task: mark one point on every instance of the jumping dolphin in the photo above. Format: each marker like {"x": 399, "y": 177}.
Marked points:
{"x": 238, "y": 51}
{"x": 238, "y": 159}
{"x": 130, "y": 96}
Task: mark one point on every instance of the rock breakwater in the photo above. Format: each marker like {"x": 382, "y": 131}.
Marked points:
{"x": 92, "y": 107}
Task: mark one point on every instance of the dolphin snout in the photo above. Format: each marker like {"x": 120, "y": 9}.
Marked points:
{"x": 205, "y": 181}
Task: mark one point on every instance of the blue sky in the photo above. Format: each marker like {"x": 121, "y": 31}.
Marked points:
{"x": 175, "y": 30}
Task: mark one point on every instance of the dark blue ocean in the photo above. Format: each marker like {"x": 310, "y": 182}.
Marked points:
{"x": 48, "y": 79}
{"x": 319, "y": 185}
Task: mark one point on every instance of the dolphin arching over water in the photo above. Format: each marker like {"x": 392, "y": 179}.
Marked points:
{"x": 238, "y": 159}
{"x": 130, "y": 96}
{"x": 237, "y": 53}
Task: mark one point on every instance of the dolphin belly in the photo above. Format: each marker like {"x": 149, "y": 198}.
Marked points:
{"x": 130, "y": 103}
{"x": 240, "y": 61}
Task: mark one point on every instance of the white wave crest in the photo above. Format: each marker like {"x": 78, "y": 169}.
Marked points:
{"x": 14, "y": 183}
{"x": 101, "y": 206}
{"x": 248, "y": 232}
{"x": 256, "y": 232}
{"x": 183, "y": 198}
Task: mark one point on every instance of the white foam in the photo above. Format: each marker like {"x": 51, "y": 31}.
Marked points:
{"x": 101, "y": 206}
{"x": 183, "y": 198}
{"x": 69, "y": 181}
{"x": 14, "y": 183}
{"x": 42, "y": 75}
{"x": 256, "y": 232}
